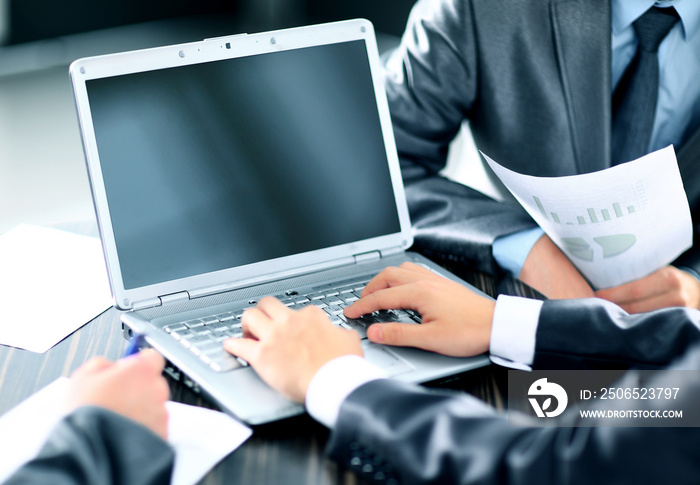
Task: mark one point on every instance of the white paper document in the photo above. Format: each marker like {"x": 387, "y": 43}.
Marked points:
{"x": 615, "y": 225}
{"x": 52, "y": 282}
{"x": 201, "y": 437}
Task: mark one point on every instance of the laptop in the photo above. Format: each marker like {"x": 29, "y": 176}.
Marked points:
{"x": 232, "y": 168}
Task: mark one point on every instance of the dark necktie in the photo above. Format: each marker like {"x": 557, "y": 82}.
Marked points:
{"x": 634, "y": 100}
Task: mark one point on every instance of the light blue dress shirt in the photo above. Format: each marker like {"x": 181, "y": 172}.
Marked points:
{"x": 678, "y": 105}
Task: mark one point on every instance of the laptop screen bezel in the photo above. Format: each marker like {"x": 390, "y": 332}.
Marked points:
{"x": 218, "y": 49}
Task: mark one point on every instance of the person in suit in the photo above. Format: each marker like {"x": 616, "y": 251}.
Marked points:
{"x": 114, "y": 431}
{"x": 393, "y": 432}
{"x": 535, "y": 81}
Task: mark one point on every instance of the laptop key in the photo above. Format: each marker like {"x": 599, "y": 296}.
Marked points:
{"x": 234, "y": 333}
{"x": 178, "y": 327}
{"x": 386, "y": 316}
{"x": 194, "y": 340}
{"x": 219, "y": 327}
{"x": 334, "y": 310}
{"x": 194, "y": 323}
{"x": 336, "y": 320}
{"x": 349, "y": 298}
{"x": 200, "y": 331}
{"x": 220, "y": 336}
{"x": 357, "y": 326}
{"x": 332, "y": 300}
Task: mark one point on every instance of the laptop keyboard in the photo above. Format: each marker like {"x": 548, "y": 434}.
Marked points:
{"x": 205, "y": 336}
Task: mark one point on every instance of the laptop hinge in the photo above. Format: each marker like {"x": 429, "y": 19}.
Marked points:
{"x": 369, "y": 256}
{"x": 174, "y": 297}
{"x": 393, "y": 250}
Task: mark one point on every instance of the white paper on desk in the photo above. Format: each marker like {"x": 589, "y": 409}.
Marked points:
{"x": 615, "y": 225}
{"x": 52, "y": 282}
{"x": 201, "y": 437}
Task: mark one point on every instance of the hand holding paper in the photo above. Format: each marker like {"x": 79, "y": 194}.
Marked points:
{"x": 667, "y": 287}
{"x": 200, "y": 437}
{"x": 616, "y": 225}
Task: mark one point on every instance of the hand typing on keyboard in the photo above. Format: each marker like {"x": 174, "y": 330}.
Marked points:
{"x": 288, "y": 347}
{"x": 456, "y": 321}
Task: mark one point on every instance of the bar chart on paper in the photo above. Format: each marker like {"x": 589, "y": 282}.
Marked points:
{"x": 615, "y": 225}
{"x": 591, "y": 216}
{"x": 610, "y": 245}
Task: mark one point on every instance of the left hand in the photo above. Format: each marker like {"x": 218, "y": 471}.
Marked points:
{"x": 133, "y": 387}
{"x": 288, "y": 347}
{"x": 667, "y": 287}
{"x": 549, "y": 271}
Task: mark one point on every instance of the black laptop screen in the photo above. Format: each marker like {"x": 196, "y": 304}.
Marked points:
{"x": 217, "y": 165}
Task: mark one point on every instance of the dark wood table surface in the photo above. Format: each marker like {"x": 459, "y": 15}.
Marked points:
{"x": 289, "y": 451}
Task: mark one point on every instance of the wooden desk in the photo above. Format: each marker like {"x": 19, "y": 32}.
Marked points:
{"x": 274, "y": 454}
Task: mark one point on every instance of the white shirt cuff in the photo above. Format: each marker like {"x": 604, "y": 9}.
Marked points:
{"x": 334, "y": 382}
{"x": 513, "y": 333}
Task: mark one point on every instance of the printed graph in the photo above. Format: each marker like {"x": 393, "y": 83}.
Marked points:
{"x": 611, "y": 245}
{"x": 592, "y": 216}
{"x": 607, "y": 246}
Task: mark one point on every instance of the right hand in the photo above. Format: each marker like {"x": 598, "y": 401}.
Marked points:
{"x": 133, "y": 387}
{"x": 456, "y": 321}
{"x": 550, "y": 272}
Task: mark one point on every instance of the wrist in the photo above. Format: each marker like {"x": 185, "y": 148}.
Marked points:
{"x": 514, "y": 330}
{"x": 334, "y": 382}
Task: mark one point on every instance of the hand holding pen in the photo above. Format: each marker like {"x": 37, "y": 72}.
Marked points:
{"x": 133, "y": 387}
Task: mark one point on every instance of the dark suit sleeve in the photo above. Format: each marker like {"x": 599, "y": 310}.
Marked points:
{"x": 596, "y": 334}
{"x": 393, "y": 432}
{"x": 98, "y": 447}
{"x": 689, "y": 165}
{"x": 431, "y": 83}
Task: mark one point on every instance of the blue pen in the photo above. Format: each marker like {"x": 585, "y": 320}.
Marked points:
{"x": 134, "y": 346}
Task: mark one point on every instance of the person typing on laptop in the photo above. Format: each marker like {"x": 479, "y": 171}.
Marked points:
{"x": 388, "y": 430}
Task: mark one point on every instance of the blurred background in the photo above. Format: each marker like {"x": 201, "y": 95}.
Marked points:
{"x": 42, "y": 175}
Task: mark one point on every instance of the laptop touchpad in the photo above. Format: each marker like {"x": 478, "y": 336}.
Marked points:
{"x": 386, "y": 359}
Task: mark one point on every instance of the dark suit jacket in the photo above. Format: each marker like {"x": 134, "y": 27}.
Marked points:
{"x": 98, "y": 447}
{"x": 533, "y": 79}
{"x": 392, "y": 430}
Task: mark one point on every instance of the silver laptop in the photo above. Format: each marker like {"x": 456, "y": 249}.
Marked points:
{"x": 238, "y": 167}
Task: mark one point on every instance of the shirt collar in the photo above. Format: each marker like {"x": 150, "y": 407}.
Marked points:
{"x": 625, "y": 12}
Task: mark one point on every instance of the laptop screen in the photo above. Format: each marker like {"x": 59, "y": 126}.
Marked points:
{"x": 217, "y": 165}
